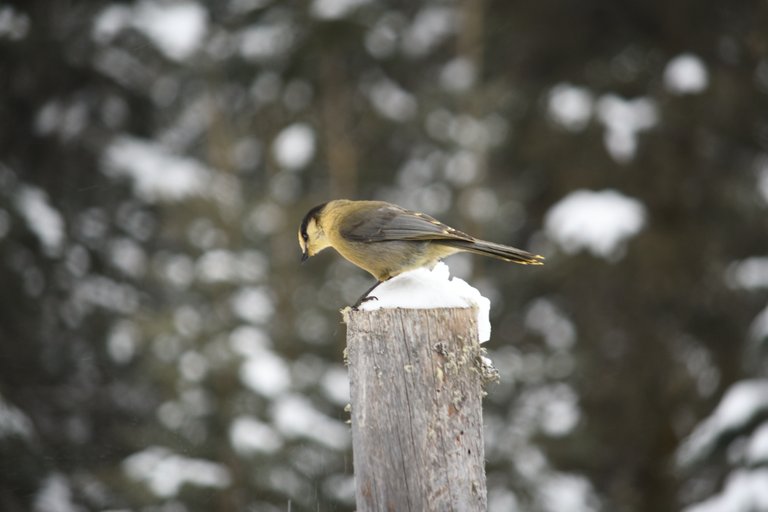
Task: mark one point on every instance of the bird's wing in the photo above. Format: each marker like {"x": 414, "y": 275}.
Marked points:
{"x": 388, "y": 223}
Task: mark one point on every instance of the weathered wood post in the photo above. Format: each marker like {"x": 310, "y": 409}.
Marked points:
{"x": 417, "y": 425}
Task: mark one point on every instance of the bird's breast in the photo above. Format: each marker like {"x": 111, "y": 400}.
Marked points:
{"x": 385, "y": 260}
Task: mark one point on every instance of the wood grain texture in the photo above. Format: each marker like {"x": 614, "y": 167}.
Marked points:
{"x": 417, "y": 430}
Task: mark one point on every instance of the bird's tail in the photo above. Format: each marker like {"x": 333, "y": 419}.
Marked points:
{"x": 503, "y": 252}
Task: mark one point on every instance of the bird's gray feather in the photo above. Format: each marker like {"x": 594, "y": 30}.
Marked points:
{"x": 389, "y": 223}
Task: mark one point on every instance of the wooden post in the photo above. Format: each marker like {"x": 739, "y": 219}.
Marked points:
{"x": 417, "y": 424}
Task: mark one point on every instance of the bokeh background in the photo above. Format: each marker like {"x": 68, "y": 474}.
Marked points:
{"x": 161, "y": 348}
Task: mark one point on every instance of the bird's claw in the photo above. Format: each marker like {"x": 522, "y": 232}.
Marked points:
{"x": 359, "y": 302}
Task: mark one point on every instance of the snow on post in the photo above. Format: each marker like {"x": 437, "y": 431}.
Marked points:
{"x": 416, "y": 380}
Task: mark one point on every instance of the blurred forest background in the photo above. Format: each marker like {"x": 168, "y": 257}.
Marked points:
{"x": 161, "y": 349}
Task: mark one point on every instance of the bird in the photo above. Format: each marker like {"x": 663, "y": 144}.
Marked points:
{"x": 386, "y": 240}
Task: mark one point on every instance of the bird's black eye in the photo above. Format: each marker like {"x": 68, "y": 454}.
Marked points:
{"x": 305, "y": 236}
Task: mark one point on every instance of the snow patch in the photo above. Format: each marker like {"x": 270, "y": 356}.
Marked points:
{"x": 157, "y": 174}
{"x": 266, "y": 374}
{"x": 253, "y": 304}
{"x": 264, "y": 42}
{"x": 391, "y": 101}
{"x": 176, "y": 28}
{"x": 296, "y": 417}
{"x": 43, "y": 220}
{"x": 762, "y": 178}
{"x": 570, "y": 106}
{"x": 459, "y": 75}
{"x": 750, "y": 273}
{"x": 166, "y": 472}
{"x": 55, "y": 495}
{"x": 249, "y": 435}
{"x": 686, "y": 74}
{"x": 14, "y": 25}
{"x": 545, "y": 318}
{"x": 759, "y": 328}
{"x": 599, "y": 221}
{"x": 740, "y": 404}
{"x": 757, "y": 449}
{"x": 294, "y": 146}
{"x": 623, "y": 121}
{"x": 563, "y": 491}
{"x": 13, "y": 422}
{"x": 744, "y": 490}
{"x": 429, "y": 28}
{"x": 426, "y": 289}
{"x": 335, "y": 385}
{"x": 335, "y": 9}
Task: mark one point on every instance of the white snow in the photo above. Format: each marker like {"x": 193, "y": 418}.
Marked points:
{"x": 570, "y": 106}
{"x": 475, "y": 133}
{"x": 424, "y": 289}
{"x": 262, "y": 371}
{"x": 563, "y": 491}
{"x": 335, "y": 385}
{"x": 249, "y": 435}
{"x": 545, "y": 318}
{"x": 458, "y": 75}
{"x": 102, "y": 292}
{"x": 479, "y": 204}
{"x": 759, "y": 328}
{"x": 165, "y": 472}
{"x": 240, "y": 7}
{"x": 750, "y": 273}
{"x": 13, "y": 422}
{"x": 745, "y": 490}
{"x": 296, "y": 417}
{"x": 502, "y": 500}
{"x": 66, "y": 120}
{"x": 391, "y": 101}
{"x": 294, "y": 146}
{"x": 757, "y": 448}
{"x": 762, "y": 178}
{"x": 123, "y": 341}
{"x": 157, "y": 174}
{"x": 599, "y": 221}
{"x": 335, "y": 9}
{"x": 43, "y": 220}
{"x": 14, "y": 25}
{"x": 381, "y": 39}
{"x": 110, "y": 21}
{"x": 743, "y": 401}
{"x": 560, "y": 411}
{"x": 253, "y": 304}
{"x": 430, "y": 27}
{"x": 128, "y": 256}
{"x": 5, "y": 223}
{"x": 266, "y": 373}
{"x": 220, "y": 265}
{"x": 686, "y": 74}
{"x": 462, "y": 167}
{"x": 55, "y": 495}
{"x": 623, "y": 121}
{"x": 176, "y": 28}
{"x": 248, "y": 341}
{"x": 264, "y": 42}
{"x": 193, "y": 366}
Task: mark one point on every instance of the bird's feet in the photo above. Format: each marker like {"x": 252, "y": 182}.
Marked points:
{"x": 366, "y": 297}
{"x": 362, "y": 299}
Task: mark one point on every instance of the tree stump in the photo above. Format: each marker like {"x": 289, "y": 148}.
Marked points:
{"x": 417, "y": 427}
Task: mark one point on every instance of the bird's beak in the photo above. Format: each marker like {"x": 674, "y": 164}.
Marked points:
{"x": 304, "y": 256}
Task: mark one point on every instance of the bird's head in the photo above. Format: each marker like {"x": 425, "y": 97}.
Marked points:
{"x": 312, "y": 238}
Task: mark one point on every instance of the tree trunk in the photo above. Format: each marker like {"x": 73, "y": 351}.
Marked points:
{"x": 417, "y": 425}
